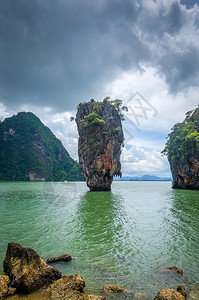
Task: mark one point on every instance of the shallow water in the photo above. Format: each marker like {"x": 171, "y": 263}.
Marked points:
{"x": 125, "y": 237}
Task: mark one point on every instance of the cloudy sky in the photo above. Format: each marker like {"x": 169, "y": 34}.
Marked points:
{"x": 54, "y": 54}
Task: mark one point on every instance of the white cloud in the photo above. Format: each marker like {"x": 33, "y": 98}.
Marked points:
{"x": 151, "y": 132}
{"x": 4, "y": 113}
{"x": 137, "y": 161}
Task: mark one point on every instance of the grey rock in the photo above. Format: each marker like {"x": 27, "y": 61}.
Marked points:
{"x": 99, "y": 147}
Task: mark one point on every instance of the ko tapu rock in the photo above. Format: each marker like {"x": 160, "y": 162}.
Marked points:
{"x": 100, "y": 140}
{"x": 182, "y": 150}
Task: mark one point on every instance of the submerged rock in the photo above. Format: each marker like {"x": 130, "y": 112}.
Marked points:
{"x": 140, "y": 296}
{"x": 174, "y": 269}
{"x": 99, "y": 146}
{"x": 113, "y": 288}
{"x": 27, "y": 271}
{"x": 5, "y": 287}
{"x": 169, "y": 294}
{"x": 70, "y": 287}
{"x": 182, "y": 150}
{"x": 64, "y": 257}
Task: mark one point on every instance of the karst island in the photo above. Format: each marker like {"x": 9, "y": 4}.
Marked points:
{"x": 100, "y": 141}
{"x": 182, "y": 152}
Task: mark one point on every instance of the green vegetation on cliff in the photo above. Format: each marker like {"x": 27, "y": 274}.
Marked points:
{"x": 182, "y": 150}
{"x": 30, "y": 151}
{"x": 184, "y": 137}
{"x": 94, "y": 117}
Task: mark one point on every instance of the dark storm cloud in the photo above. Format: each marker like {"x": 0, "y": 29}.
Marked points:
{"x": 171, "y": 35}
{"x": 57, "y": 53}
{"x": 189, "y": 3}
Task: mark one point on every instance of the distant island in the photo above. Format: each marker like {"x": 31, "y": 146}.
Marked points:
{"x": 29, "y": 151}
{"x": 143, "y": 178}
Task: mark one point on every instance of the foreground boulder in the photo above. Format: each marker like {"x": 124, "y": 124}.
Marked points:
{"x": 182, "y": 150}
{"x": 64, "y": 257}
{"x": 5, "y": 288}
{"x": 100, "y": 140}
{"x": 70, "y": 287}
{"x": 27, "y": 271}
{"x": 169, "y": 294}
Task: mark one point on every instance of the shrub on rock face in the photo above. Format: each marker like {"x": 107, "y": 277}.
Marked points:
{"x": 27, "y": 271}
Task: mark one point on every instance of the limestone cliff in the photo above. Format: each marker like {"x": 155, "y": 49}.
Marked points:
{"x": 182, "y": 150}
{"x": 29, "y": 151}
{"x": 100, "y": 139}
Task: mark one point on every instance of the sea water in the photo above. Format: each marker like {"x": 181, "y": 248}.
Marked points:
{"x": 127, "y": 236}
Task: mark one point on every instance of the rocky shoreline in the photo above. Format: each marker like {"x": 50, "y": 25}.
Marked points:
{"x": 27, "y": 273}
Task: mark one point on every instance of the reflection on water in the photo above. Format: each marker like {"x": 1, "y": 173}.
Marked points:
{"x": 127, "y": 236}
{"x": 185, "y": 228}
{"x": 100, "y": 232}
{"x": 100, "y": 220}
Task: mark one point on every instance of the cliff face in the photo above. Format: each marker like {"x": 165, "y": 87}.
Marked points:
{"x": 182, "y": 149}
{"x": 100, "y": 139}
{"x": 30, "y": 151}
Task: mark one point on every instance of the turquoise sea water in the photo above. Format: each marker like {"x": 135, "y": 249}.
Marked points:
{"x": 125, "y": 237}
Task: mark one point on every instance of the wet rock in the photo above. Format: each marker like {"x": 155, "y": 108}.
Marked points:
{"x": 99, "y": 145}
{"x": 5, "y": 288}
{"x": 27, "y": 271}
{"x": 169, "y": 294}
{"x": 113, "y": 288}
{"x": 70, "y": 287}
{"x": 66, "y": 286}
{"x": 181, "y": 289}
{"x": 175, "y": 269}
{"x": 64, "y": 257}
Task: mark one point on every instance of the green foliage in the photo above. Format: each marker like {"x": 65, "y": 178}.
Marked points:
{"x": 72, "y": 118}
{"x": 117, "y": 104}
{"x": 114, "y": 104}
{"x": 26, "y": 145}
{"x": 106, "y": 99}
{"x": 183, "y": 138}
{"x": 117, "y": 129}
{"x": 92, "y": 119}
{"x": 79, "y": 105}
